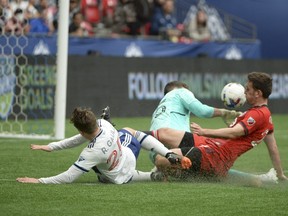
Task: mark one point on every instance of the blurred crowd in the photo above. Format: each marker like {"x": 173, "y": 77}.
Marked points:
{"x": 98, "y": 18}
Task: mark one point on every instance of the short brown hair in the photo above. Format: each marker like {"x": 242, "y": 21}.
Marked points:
{"x": 174, "y": 84}
{"x": 261, "y": 81}
{"x": 84, "y": 120}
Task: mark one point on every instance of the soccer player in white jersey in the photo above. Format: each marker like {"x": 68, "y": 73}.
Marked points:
{"x": 112, "y": 162}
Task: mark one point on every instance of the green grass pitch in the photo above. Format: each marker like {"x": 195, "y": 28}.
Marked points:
{"x": 88, "y": 197}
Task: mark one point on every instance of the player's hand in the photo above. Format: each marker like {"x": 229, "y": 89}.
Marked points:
{"x": 228, "y": 116}
{"x": 41, "y": 147}
{"x": 282, "y": 177}
{"x": 195, "y": 128}
{"x": 27, "y": 180}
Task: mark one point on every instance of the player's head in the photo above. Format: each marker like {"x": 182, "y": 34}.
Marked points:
{"x": 261, "y": 81}
{"x": 84, "y": 120}
{"x": 174, "y": 84}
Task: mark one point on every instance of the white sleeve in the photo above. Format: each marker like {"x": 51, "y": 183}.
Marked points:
{"x": 67, "y": 143}
{"x": 66, "y": 177}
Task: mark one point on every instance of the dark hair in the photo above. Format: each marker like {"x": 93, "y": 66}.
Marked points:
{"x": 261, "y": 81}
{"x": 84, "y": 120}
{"x": 174, "y": 84}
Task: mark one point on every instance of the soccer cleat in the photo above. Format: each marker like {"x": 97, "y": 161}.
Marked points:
{"x": 173, "y": 158}
{"x": 106, "y": 114}
{"x": 177, "y": 159}
{"x": 157, "y": 176}
{"x": 269, "y": 177}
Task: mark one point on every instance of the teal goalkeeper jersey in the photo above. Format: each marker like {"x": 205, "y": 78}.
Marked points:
{"x": 175, "y": 108}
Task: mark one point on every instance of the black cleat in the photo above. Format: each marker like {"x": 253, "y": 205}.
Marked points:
{"x": 173, "y": 158}
{"x": 157, "y": 176}
{"x": 106, "y": 114}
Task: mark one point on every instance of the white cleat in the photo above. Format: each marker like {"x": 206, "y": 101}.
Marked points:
{"x": 269, "y": 177}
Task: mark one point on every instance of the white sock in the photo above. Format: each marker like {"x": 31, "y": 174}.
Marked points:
{"x": 141, "y": 176}
{"x": 151, "y": 144}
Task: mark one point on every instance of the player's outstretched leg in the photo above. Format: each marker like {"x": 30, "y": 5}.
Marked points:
{"x": 270, "y": 177}
{"x": 106, "y": 114}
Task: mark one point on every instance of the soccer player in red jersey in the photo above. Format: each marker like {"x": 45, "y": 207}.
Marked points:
{"x": 214, "y": 151}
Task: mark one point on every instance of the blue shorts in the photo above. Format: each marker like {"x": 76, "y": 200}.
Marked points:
{"x": 129, "y": 141}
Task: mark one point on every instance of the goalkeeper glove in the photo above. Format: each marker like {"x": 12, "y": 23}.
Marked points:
{"x": 228, "y": 116}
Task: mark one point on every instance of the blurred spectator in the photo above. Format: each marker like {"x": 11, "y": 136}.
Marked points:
{"x": 74, "y": 7}
{"x": 143, "y": 10}
{"x": 31, "y": 11}
{"x": 79, "y": 27}
{"x": 90, "y": 11}
{"x": 47, "y": 7}
{"x": 125, "y": 20}
{"x": 44, "y": 23}
{"x": 7, "y": 12}
{"x": 108, "y": 12}
{"x": 40, "y": 24}
{"x": 197, "y": 29}
{"x": 2, "y": 20}
{"x": 27, "y": 6}
{"x": 157, "y": 5}
{"x": 17, "y": 24}
{"x": 164, "y": 22}
{"x": 19, "y": 4}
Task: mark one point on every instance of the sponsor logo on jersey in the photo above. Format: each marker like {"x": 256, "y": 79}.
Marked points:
{"x": 251, "y": 121}
{"x": 270, "y": 120}
{"x": 81, "y": 159}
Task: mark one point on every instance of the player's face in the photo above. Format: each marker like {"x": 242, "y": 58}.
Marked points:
{"x": 251, "y": 93}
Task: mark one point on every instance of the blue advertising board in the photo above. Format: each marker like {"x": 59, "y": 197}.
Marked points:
{"x": 47, "y": 45}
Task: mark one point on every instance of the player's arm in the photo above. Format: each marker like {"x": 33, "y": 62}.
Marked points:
{"x": 41, "y": 147}
{"x": 68, "y": 143}
{"x": 228, "y": 133}
{"x": 204, "y": 111}
{"x": 270, "y": 142}
{"x": 195, "y": 106}
{"x": 62, "y": 144}
{"x": 66, "y": 177}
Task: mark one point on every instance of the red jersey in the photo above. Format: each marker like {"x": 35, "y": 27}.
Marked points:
{"x": 218, "y": 155}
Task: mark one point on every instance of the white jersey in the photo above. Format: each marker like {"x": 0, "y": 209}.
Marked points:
{"x": 114, "y": 162}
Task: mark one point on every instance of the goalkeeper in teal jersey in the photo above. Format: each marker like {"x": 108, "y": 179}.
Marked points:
{"x": 174, "y": 112}
{"x": 178, "y": 103}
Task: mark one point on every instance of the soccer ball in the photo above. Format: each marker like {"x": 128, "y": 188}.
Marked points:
{"x": 233, "y": 95}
